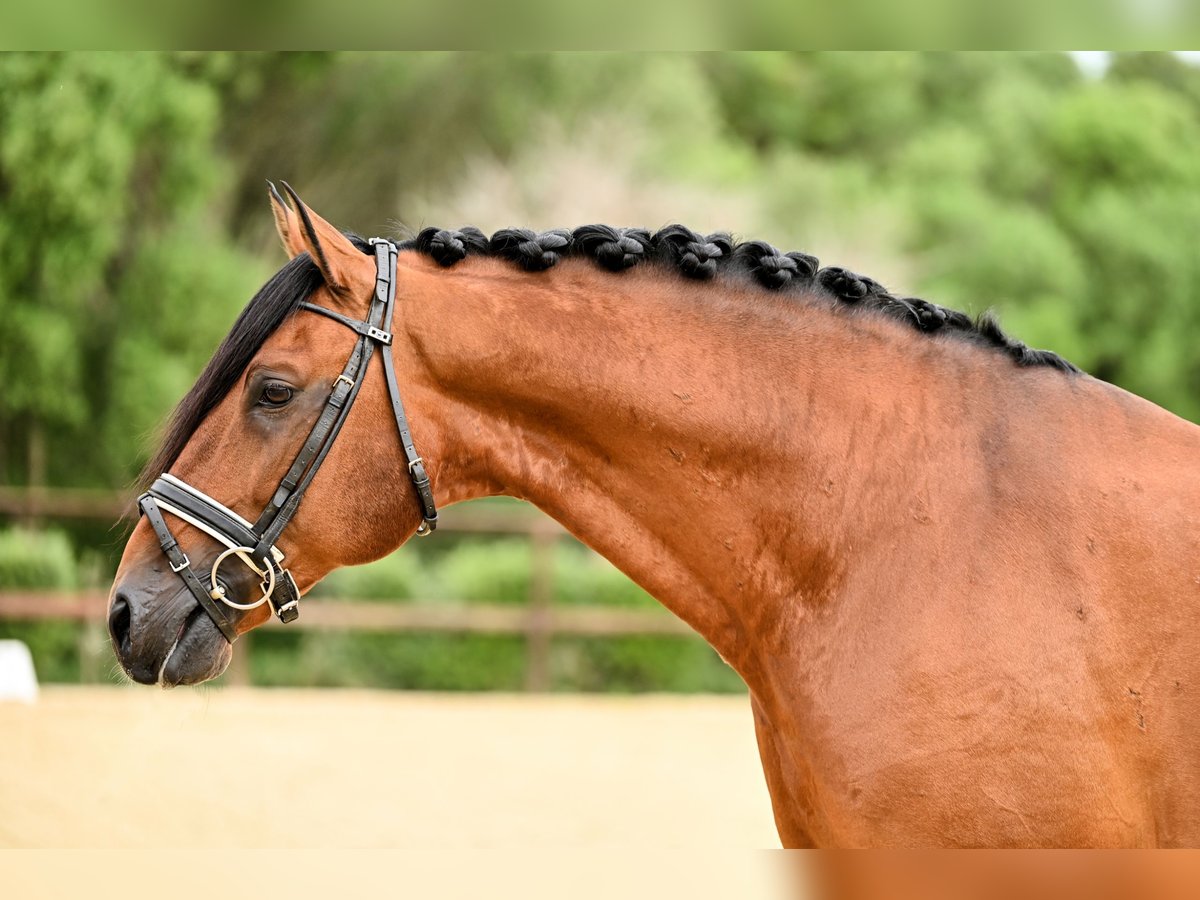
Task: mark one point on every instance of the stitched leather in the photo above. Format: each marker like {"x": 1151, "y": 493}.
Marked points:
{"x": 183, "y": 568}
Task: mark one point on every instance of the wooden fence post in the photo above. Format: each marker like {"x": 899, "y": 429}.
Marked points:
{"x": 93, "y": 637}
{"x": 541, "y": 597}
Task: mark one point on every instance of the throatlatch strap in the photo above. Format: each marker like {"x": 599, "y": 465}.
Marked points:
{"x": 385, "y": 250}
{"x": 416, "y": 465}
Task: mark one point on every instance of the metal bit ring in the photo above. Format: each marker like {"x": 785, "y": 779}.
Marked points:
{"x": 267, "y": 586}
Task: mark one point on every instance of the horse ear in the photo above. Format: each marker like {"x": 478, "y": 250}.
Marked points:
{"x": 346, "y": 269}
{"x": 287, "y": 225}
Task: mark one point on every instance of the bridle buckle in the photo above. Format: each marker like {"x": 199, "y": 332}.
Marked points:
{"x": 183, "y": 565}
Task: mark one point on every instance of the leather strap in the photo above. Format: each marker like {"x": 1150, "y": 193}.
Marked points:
{"x": 182, "y": 566}
{"x": 292, "y": 488}
{"x": 199, "y": 508}
{"x": 330, "y": 423}
{"x": 385, "y": 254}
{"x": 322, "y": 432}
{"x": 366, "y": 329}
{"x": 416, "y": 465}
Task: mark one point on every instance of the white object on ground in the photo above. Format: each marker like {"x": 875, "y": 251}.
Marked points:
{"x": 18, "y": 681}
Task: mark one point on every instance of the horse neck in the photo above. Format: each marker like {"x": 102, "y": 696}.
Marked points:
{"x": 723, "y": 446}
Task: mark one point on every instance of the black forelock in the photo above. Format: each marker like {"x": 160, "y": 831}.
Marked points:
{"x": 266, "y": 311}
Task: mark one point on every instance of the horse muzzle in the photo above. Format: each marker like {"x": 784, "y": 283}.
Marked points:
{"x": 165, "y": 641}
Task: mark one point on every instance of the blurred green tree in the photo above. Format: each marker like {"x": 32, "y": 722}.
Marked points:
{"x": 115, "y": 275}
{"x": 1068, "y": 204}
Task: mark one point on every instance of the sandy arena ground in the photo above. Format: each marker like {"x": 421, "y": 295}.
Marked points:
{"x": 142, "y": 768}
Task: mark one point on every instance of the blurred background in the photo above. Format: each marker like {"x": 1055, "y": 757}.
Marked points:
{"x": 1062, "y": 190}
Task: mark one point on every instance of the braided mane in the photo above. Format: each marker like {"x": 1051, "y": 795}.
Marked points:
{"x": 703, "y": 257}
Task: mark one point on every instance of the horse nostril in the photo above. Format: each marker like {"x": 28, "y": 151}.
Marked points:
{"x": 118, "y": 626}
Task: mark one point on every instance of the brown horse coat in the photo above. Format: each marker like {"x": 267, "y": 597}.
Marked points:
{"x": 963, "y": 593}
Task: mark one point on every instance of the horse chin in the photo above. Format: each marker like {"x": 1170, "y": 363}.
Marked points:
{"x": 201, "y": 653}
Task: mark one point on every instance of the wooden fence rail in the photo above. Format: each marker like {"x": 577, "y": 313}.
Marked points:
{"x": 538, "y": 620}
{"x": 326, "y": 614}
{"x": 106, "y": 505}
{"x": 537, "y": 625}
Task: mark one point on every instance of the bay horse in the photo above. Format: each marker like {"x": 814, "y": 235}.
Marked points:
{"x": 956, "y": 574}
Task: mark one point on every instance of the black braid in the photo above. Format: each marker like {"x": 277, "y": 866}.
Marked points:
{"x": 988, "y": 328}
{"x": 931, "y": 317}
{"x": 614, "y": 248}
{"x": 448, "y": 247}
{"x": 702, "y": 257}
{"x": 844, "y": 284}
{"x": 772, "y": 268}
{"x": 533, "y": 252}
{"x": 696, "y": 256}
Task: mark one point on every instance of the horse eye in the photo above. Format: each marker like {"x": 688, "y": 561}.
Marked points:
{"x": 275, "y": 396}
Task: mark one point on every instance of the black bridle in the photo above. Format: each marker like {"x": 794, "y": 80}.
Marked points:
{"x": 254, "y": 544}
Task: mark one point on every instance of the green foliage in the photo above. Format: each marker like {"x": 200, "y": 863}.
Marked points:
{"x": 452, "y": 662}
{"x": 108, "y": 257}
{"x": 399, "y": 576}
{"x": 41, "y": 560}
{"x": 1000, "y": 179}
{"x": 1120, "y": 137}
{"x": 486, "y": 571}
{"x": 54, "y": 646}
{"x": 639, "y": 664}
{"x": 444, "y": 662}
{"x": 496, "y": 571}
{"x": 35, "y": 559}
{"x": 583, "y": 578}
{"x": 1163, "y": 71}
